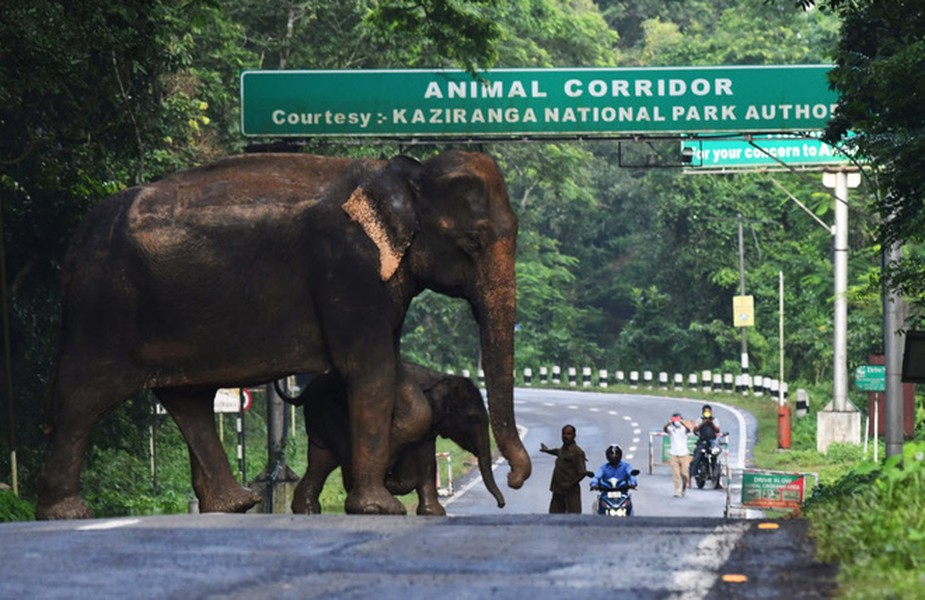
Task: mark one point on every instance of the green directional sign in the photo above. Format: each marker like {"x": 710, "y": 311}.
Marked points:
{"x": 870, "y": 378}
{"x": 763, "y": 151}
{"x": 536, "y": 102}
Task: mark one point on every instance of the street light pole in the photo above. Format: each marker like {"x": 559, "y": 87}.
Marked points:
{"x": 839, "y": 421}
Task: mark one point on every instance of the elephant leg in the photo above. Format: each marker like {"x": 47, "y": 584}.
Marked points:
{"x": 213, "y": 482}
{"x": 424, "y": 462}
{"x": 80, "y": 400}
{"x": 58, "y": 485}
{"x": 413, "y": 415}
{"x": 321, "y": 462}
{"x": 416, "y": 470}
{"x": 371, "y": 404}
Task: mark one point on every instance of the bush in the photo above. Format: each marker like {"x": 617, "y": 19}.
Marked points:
{"x": 120, "y": 484}
{"x": 870, "y": 521}
{"x": 13, "y": 508}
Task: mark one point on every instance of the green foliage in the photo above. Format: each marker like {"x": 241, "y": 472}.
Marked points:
{"x": 870, "y": 521}
{"x": 457, "y": 345}
{"x": 545, "y": 33}
{"x": 882, "y": 46}
{"x": 119, "y": 484}
{"x": 460, "y": 30}
{"x": 13, "y": 508}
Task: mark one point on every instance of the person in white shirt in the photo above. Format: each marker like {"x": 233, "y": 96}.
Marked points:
{"x": 679, "y": 456}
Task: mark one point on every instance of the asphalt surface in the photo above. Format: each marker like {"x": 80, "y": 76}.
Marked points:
{"x": 329, "y": 556}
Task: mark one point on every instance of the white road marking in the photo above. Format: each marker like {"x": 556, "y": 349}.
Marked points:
{"x": 108, "y": 525}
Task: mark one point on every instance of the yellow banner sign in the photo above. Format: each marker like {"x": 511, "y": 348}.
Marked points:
{"x": 743, "y": 311}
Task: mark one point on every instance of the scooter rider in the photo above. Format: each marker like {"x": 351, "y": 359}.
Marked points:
{"x": 707, "y": 432}
{"x": 614, "y": 467}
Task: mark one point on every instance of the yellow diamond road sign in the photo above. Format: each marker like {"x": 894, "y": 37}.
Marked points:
{"x": 743, "y": 311}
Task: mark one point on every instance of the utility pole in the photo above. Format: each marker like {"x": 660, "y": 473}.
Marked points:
{"x": 893, "y": 430}
{"x": 742, "y": 293}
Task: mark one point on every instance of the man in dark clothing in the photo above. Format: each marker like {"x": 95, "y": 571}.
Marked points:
{"x": 707, "y": 432}
{"x": 571, "y": 468}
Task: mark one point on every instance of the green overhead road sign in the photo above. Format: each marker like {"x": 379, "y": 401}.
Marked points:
{"x": 870, "y": 378}
{"x": 536, "y": 102}
{"x": 763, "y": 151}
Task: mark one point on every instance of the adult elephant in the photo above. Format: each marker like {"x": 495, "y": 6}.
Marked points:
{"x": 257, "y": 266}
{"x": 457, "y": 413}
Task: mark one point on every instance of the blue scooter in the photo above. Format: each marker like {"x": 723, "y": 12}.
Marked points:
{"x": 613, "y": 498}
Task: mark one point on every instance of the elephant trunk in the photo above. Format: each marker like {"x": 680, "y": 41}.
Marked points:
{"x": 488, "y": 475}
{"x": 496, "y": 312}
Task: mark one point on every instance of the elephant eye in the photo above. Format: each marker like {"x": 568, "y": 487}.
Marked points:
{"x": 471, "y": 243}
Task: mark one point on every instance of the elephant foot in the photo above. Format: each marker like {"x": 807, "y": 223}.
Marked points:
{"x": 373, "y": 501}
{"x": 303, "y": 506}
{"x": 434, "y": 510}
{"x": 238, "y": 500}
{"x": 312, "y": 507}
{"x": 70, "y": 507}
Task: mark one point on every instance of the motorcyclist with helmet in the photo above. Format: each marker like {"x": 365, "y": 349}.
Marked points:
{"x": 707, "y": 432}
{"x": 614, "y": 467}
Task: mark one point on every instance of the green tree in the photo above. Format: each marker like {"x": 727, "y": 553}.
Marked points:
{"x": 92, "y": 98}
{"x": 880, "y": 53}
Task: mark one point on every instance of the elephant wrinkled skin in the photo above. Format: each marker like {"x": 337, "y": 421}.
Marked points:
{"x": 256, "y": 266}
{"x": 458, "y": 413}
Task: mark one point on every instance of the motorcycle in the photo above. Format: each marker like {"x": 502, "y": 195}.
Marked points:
{"x": 708, "y": 464}
{"x": 614, "y": 498}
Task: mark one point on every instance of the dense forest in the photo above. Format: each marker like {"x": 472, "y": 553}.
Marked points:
{"x": 619, "y": 267}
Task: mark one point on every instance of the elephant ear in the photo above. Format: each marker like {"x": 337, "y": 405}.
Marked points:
{"x": 438, "y": 396}
{"x": 384, "y": 207}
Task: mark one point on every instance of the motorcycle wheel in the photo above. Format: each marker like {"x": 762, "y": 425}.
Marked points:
{"x": 701, "y": 476}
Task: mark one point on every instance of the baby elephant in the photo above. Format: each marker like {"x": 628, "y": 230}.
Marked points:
{"x": 458, "y": 414}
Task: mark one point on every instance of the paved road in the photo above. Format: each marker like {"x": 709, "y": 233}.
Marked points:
{"x": 330, "y": 556}
{"x": 602, "y": 419}
{"x": 476, "y": 552}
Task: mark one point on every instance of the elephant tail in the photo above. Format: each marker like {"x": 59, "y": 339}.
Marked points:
{"x": 293, "y": 400}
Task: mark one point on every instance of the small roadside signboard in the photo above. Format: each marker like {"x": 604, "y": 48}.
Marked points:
{"x": 228, "y": 400}
{"x": 773, "y": 489}
{"x": 870, "y": 378}
{"x": 743, "y": 311}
